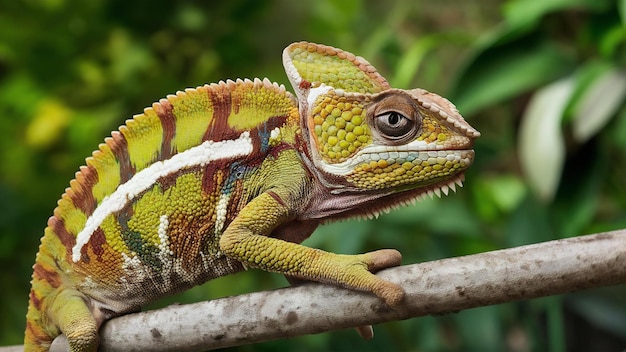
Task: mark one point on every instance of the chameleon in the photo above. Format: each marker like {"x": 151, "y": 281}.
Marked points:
{"x": 234, "y": 175}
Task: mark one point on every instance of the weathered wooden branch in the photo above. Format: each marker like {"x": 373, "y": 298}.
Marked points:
{"x": 436, "y": 287}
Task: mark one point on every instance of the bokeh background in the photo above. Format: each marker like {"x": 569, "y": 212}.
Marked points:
{"x": 544, "y": 81}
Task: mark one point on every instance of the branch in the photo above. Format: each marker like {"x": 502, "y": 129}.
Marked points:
{"x": 436, "y": 287}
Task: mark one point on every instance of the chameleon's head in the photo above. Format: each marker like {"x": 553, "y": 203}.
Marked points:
{"x": 363, "y": 135}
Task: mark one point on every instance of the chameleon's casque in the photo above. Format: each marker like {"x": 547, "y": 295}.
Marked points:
{"x": 236, "y": 174}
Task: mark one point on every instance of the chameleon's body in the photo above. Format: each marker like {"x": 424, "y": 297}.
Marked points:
{"x": 233, "y": 175}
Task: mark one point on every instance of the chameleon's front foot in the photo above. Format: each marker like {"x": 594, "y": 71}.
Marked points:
{"x": 390, "y": 293}
{"x": 361, "y": 275}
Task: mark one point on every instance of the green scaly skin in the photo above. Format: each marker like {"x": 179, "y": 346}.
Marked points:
{"x": 236, "y": 174}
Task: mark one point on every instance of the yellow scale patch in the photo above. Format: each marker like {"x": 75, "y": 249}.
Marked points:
{"x": 422, "y": 170}
{"x": 255, "y": 104}
{"x": 317, "y": 66}
{"x": 144, "y": 135}
{"x": 108, "y": 170}
{"x": 432, "y": 131}
{"x": 112, "y": 231}
{"x": 194, "y": 113}
{"x": 340, "y": 127}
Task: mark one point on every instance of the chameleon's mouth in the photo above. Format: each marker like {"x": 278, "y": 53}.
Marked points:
{"x": 344, "y": 205}
{"x": 401, "y": 171}
{"x": 417, "y": 152}
{"x": 397, "y": 200}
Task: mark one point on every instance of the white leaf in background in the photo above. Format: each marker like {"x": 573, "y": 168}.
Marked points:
{"x": 541, "y": 145}
{"x": 598, "y": 104}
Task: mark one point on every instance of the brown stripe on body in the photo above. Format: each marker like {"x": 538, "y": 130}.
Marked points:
{"x": 97, "y": 241}
{"x": 37, "y": 336}
{"x": 49, "y": 276}
{"x": 34, "y": 299}
{"x": 57, "y": 225}
{"x": 126, "y": 213}
{"x": 214, "y": 175}
{"x": 119, "y": 147}
{"x": 277, "y": 198}
{"x": 168, "y": 181}
{"x": 221, "y": 101}
{"x": 236, "y": 202}
{"x": 81, "y": 190}
{"x": 165, "y": 111}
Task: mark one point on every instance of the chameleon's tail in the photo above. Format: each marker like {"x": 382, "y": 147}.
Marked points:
{"x": 56, "y": 307}
{"x": 40, "y": 329}
{"x": 37, "y": 336}
{"x": 66, "y": 308}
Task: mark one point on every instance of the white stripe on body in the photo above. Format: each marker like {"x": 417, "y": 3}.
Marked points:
{"x": 197, "y": 156}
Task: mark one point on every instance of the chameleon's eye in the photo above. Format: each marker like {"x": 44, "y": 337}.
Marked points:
{"x": 394, "y": 118}
{"x": 395, "y": 126}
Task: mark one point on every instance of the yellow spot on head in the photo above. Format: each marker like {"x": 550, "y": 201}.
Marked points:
{"x": 339, "y": 128}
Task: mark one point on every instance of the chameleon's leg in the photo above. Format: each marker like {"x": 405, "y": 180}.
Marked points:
{"x": 70, "y": 313}
{"x": 246, "y": 240}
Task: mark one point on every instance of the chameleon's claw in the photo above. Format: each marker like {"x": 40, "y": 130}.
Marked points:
{"x": 365, "y": 331}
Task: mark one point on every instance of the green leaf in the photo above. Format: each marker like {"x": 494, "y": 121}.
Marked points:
{"x": 541, "y": 144}
{"x": 556, "y": 327}
{"x": 599, "y": 104}
{"x": 586, "y": 74}
{"x": 619, "y": 132}
{"x": 612, "y": 41}
{"x": 507, "y": 71}
{"x": 411, "y": 61}
{"x": 527, "y": 12}
{"x": 497, "y": 195}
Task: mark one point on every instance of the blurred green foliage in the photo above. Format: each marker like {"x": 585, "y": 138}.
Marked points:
{"x": 544, "y": 81}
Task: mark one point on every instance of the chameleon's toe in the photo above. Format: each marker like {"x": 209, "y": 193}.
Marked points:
{"x": 358, "y": 274}
{"x": 382, "y": 259}
{"x": 389, "y": 292}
